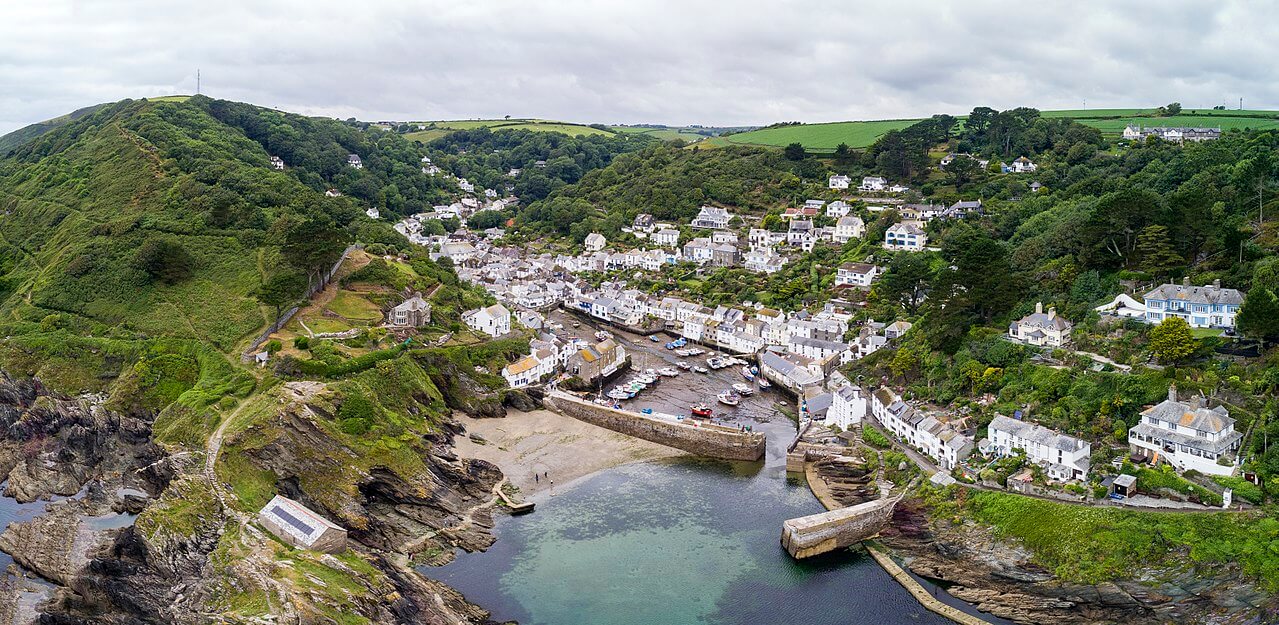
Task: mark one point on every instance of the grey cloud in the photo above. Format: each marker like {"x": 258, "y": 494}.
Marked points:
{"x": 687, "y": 61}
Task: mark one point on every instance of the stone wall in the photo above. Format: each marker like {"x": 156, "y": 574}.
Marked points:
{"x": 819, "y": 533}
{"x": 695, "y": 437}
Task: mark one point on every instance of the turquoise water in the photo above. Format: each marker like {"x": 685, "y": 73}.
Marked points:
{"x": 673, "y": 542}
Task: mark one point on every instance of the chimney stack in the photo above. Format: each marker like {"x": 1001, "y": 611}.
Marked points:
{"x": 1172, "y": 392}
{"x": 1052, "y": 313}
{"x": 1039, "y": 308}
{"x": 1216, "y": 284}
{"x": 1185, "y": 281}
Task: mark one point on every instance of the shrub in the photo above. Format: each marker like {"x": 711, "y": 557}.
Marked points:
{"x": 872, "y": 437}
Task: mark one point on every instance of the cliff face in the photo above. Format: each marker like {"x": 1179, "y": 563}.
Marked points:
{"x": 1000, "y": 578}
{"x": 51, "y": 445}
{"x": 194, "y": 551}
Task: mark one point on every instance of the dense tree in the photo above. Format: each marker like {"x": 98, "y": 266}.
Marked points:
{"x": 279, "y": 290}
{"x": 1259, "y": 315}
{"x": 795, "y": 152}
{"x": 963, "y": 170}
{"x": 906, "y": 280}
{"x": 1155, "y": 250}
{"x": 164, "y": 260}
{"x": 313, "y": 246}
{"x": 1171, "y": 341}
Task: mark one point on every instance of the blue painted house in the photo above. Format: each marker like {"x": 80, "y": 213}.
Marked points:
{"x": 1201, "y": 306}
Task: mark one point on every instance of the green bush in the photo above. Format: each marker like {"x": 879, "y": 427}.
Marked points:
{"x": 872, "y": 437}
{"x": 1243, "y": 489}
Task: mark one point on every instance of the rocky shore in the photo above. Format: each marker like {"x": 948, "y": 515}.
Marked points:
{"x": 140, "y": 536}
{"x": 1000, "y": 578}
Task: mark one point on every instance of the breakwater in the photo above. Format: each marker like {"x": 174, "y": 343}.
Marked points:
{"x": 699, "y": 438}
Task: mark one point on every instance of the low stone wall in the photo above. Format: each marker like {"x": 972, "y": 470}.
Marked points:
{"x": 702, "y": 439}
{"x": 827, "y": 531}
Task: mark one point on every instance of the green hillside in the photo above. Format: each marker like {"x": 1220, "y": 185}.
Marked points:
{"x": 164, "y": 218}
{"x": 859, "y": 134}
{"x": 27, "y": 133}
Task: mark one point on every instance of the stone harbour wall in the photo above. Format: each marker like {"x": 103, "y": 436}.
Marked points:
{"x": 816, "y": 534}
{"x": 695, "y": 437}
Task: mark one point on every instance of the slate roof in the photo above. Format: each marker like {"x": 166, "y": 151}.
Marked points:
{"x": 1197, "y": 294}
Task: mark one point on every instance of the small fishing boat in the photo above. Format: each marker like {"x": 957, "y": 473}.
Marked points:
{"x": 714, "y": 362}
{"x": 668, "y": 372}
{"x": 701, "y": 410}
{"x": 693, "y": 351}
{"x": 728, "y": 398}
{"x": 701, "y": 369}
{"x": 603, "y": 335}
{"x": 683, "y": 365}
{"x": 619, "y": 394}
{"x": 577, "y": 324}
{"x": 744, "y": 390}
{"x": 653, "y": 338}
{"x": 764, "y": 384}
{"x": 746, "y": 373}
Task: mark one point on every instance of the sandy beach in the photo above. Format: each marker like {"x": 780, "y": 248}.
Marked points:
{"x": 545, "y": 442}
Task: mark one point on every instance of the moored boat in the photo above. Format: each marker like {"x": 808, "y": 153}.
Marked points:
{"x": 669, "y": 372}
{"x": 701, "y": 410}
{"x": 744, "y": 390}
{"x": 764, "y": 384}
{"x": 701, "y": 369}
{"x": 728, "y": 398}
{"x": 746, "y": 373}
{"x": 683, "y": 365}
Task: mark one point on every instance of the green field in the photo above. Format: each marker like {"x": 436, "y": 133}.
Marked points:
{"x": 665, "y": 133}
{"x": 859, "y": 134}
{"x": 442, "y": 128}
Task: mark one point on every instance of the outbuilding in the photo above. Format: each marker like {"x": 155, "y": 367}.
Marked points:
{"x": 301, "y": 527}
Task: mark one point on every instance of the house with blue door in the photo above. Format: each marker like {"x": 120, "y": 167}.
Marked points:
{"x": 1201, "y": 306}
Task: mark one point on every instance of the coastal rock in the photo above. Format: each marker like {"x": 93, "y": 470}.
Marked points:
{"x": 1000, "y": 578}
{"x": 54, "y": 445}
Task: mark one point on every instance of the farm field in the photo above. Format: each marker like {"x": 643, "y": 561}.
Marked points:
{"x": 859, "y": 134}
{"x": 665, "y": 133}
{"x": 443, "y": 128}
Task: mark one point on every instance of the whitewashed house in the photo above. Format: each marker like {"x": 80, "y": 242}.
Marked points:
{"x": 373, "y": 212}
{"x": 763, "y": 260}
{"x": 837, "y": 209}
{"x": 905, "y": 237}
{"x": 1041, "y": 329}
{"x": 353, "y": 160}
{"x": 277, "y": 163}
{"x": 594, "y": 242}
{"x": 1064, "y": 457}
{"x": 712, "y": 218}
{"x": 493, "y": 320}
{"x": 873, "y": 183}
{"x": 856, "y": 274}
{"x": 666, "y": 237}
{"x": 847, "y": 408}
{"x": 849, "y": 228}
{"x": 1187, "y": 435}
{"x": 839, "y": 182}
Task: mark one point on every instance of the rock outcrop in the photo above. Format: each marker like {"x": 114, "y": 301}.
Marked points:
{"x": 1000, "y": 578}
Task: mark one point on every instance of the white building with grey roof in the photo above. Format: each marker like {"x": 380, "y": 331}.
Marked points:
{"x": 1201, "y": 306}
{"x": 1187, "y": 435}
{"x": 301, "y": 527}
{"x": 1064, "y": 457}
{"x": 1043, "y": 329}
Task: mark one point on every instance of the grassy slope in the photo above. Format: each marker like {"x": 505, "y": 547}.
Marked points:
{"x": 93, "y": 201}
{"x": 857, "y": 134}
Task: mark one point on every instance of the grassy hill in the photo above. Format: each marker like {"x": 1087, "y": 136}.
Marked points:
{"x": 27, "y": 133}
{"x": 163, "y": 218}
{"x": 859, "y": 134}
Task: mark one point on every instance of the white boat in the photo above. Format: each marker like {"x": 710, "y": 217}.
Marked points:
{"x": 744, "y": 390}
{"x": 764, "y": 384}
{"x": 693, "y": 351}
{"x": 715, "y": 362}
{"x": 668, "y": 372}
{"x": 619, "y": 394}
{"x": 701, "y": 369}
{"x": 603, "y": 335}
{"x": 746, "y": 373}
{"x": 728, "y": 398}
{"x": 683, "y": 365}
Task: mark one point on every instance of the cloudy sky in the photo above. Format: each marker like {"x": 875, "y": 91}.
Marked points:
{"x": 623, "y": 61}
